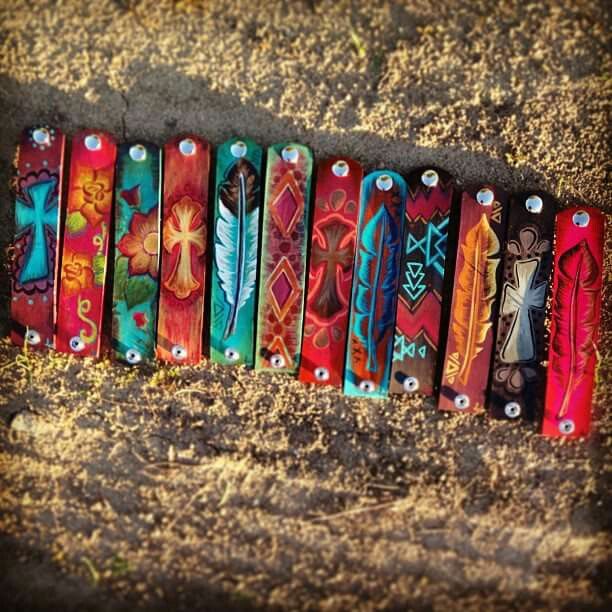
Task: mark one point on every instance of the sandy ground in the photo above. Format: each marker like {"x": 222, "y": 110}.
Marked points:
{"x": 217, "y": 489}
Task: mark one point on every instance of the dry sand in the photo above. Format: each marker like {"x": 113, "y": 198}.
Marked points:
{"x": 208, "y": 488}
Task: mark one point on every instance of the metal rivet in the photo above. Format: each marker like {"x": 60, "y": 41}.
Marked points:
{"x": 384, "y": 182}
{"x": 512, "y": 410}
{"x": 367, "y": 386}
{"x": 187, "y": 146}
{"x": 485, "y": 197}
{"x": 462, "y": 401}
{"x": 430, "y": 178}
{"x": 32, "y": 337}
{"x": 277, "y": 361}
{"x": 290, "y": 154}
{"x": 321, "y": 374}
{"x": 534, "y": 204}
{"x": 93, "y": 142}
{"x": 41, "y": 136}
{"x": 133, "y": 356}
{"x": 340, "y": 168}
{"x": 581, "y": 218}
{"x": 76, "y": 344}
{"x": 238, "y": 149}
{"x": 138, "y": 153}
{"x": 411, "y": 384}
{"x": 231, "y": 354}
{"x": 179, "y": 352}
{"x": 567, "y": 427}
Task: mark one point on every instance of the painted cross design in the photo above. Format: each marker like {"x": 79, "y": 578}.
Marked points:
{"x": 519, "y": 300}
{"x": 35, "y": 212}
{"x": 327, "y": 302}
{"x": 184, "y": 228}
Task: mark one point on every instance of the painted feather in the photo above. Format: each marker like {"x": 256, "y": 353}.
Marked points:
{"x": 475, "y": 294}
{"x": 236, "y": 238}
{"x": 575, "y": 318}
{"x": 376, "y": 282}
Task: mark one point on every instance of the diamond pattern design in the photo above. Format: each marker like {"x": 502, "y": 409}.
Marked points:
{"x": 287, "y": 208}
{"x": 283, "y": 288}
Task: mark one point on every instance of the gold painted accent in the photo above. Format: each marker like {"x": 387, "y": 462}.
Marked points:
{"x": 83, "y": 307}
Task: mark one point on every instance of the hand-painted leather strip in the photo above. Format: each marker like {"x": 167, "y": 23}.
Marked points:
{"x": 284, "y": 242}
{"x": 332, "y": 255}
{"x": 85, "y": 244}
{"x": 375, "y": 284}
{"x": 474, "y": 304}
{"x": 419, "y": 307}
{"x": 518, "y": 377}
{"x": 236, "y": 240}
{"x": 183, "y": 243}
{"x": 34, "y": 252}
{"x": 137, "y": 238}
{"x": 576, "y": 310}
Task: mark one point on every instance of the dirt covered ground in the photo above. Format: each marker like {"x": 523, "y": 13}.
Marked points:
{"x": 217, "y": 489}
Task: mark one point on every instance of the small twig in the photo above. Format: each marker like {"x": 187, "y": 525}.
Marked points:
{"x": 95, "y": 575}
{"x": 192, "y": 390}
{"x": 359, "y": 510}
{"x": 374, "y": 485}
{"x": 119, "y": 402}
{"x": 164, "y": 465}
{"x": 186, "y": 507}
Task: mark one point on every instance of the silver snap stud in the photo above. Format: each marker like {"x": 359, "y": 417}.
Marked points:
{"x": 277, "y": 361}
{"x": 138, "y": 153}
{"x": 340, "y": 168}
{"x": 133, "y": 356}
{"x": 41, "y": 136}
{"x": 485, "y": 197}
{"x": 187, "y": 147}
{"x": 534, "y": 204}
{"x": 512, "y": 410}
{"x": 290, "y": 154}
{"x": 231, "y": 354}
{"x": 384, "y": 182}
{"x": 321, "y": 374}
{"x": 76, "y": 344}
{"x": 93, "y": 142}
{"x": 179, "y": 352}
{"x": 410, "y": 384}
{"x": 238, "y": 149}
{"x": 32, "y": 337}
{"x": 567, "y": 427}
{"x": 581, "y": 218}
{"x": 367, "y": 386}
{"x": 462, "y": 401}
{"x": 430, "y": 178}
